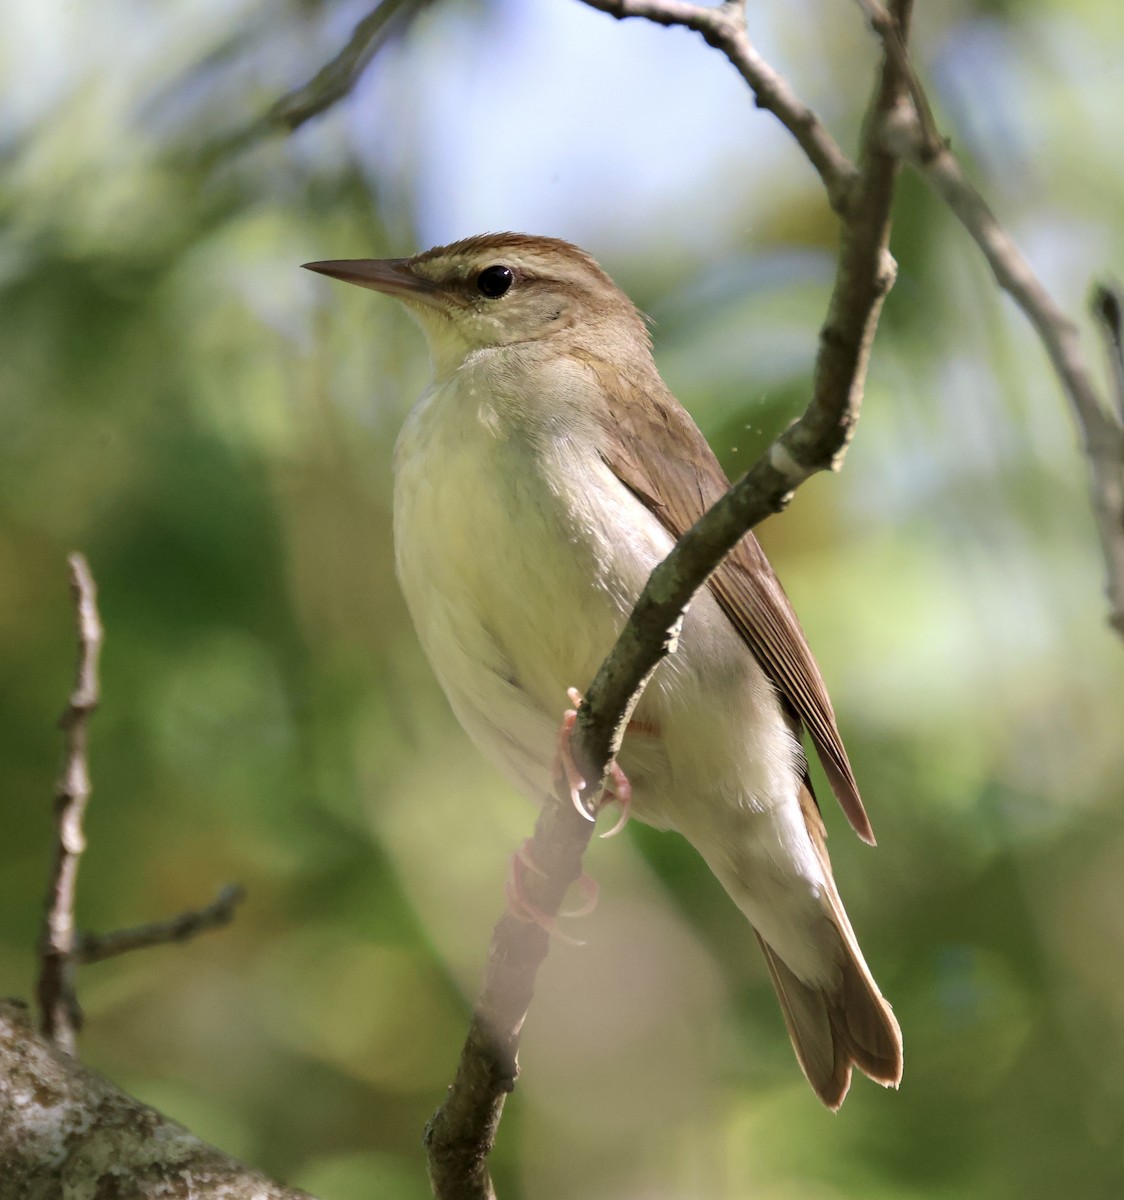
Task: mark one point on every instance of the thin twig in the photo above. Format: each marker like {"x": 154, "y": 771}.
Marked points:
{"x": 885, "y": 25}
{"x": 724, "y": 27}
{"x": 330, "y": 84}
{"x": 1102, "y": 430}
{"x": 461, "y": 1135}
{"x": 60, "y": 1015}
{"x": 95, "y": 947}
{"x": 335, "y": 80}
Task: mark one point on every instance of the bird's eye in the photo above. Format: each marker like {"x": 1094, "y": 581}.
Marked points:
{"x": 494, "y": 281}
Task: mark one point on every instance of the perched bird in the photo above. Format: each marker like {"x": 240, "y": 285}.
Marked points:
{"x": 541, "y": 476}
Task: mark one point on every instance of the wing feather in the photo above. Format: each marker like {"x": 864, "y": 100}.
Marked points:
{"x": 658, "y": 452}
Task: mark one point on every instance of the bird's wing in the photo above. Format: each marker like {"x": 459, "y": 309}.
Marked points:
{"x": 659, "y": 454}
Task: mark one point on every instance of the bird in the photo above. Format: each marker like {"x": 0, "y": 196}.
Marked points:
{"x": 540, "y": 477}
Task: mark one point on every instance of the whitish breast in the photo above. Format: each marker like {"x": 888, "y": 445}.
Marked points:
{"x": 510, "y": 554}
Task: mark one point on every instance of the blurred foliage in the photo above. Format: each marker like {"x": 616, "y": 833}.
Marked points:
{"x": 213, "y": 428}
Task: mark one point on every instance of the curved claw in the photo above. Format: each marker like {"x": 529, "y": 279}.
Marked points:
{"x": 576, "y": 801}
{"x": 592, "y": 891}
{"x": 564, "y": 764}
{"x": 523, "y": 857}
{"x": 622, "y": 793}
{"x": 521, "y": 908}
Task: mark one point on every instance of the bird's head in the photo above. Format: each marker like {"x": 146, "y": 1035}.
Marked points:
{"x": 500, "y": 289}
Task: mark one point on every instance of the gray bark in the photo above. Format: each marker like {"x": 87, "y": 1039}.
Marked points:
{"x": 66, "y": 1133}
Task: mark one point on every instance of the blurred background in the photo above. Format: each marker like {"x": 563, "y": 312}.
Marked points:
{"x": 213, "y": 428}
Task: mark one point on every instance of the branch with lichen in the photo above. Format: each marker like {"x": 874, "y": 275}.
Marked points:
{"x": 67, "y": 1131}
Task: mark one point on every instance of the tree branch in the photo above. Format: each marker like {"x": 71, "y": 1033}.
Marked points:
{"x": 1101, "y": 426}
{"x": 885, "y": 24}
{"x": 66, "y": 1131}
{"x": 95, "y": 947}
{"x": 462, "y": 1132}
{"x": 63, "y": 1129}
{"x": 330, "y": 84}
{"x": 461, "y": 1135}
{"x": 335, "y": 80}
{"x": 61, "y": 949}
{"x": 60, "y": 1015}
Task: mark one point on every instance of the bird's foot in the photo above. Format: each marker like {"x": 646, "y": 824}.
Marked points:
{"x": 620, "y": 790}
{"x": 565, "y": 769}
{"x": 522, "y": 907}
{"x": 618, "y": 787}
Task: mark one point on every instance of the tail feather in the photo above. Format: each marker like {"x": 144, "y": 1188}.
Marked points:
{"x": 831, "y": 1031}
{"x": 836, "y": 1016}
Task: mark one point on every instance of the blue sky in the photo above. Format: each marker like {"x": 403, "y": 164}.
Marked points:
{"x": 553, "y": 118}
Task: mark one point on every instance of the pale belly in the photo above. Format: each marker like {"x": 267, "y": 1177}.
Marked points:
{"x": 518, "y": 586}
{"x": 511, "y": 595}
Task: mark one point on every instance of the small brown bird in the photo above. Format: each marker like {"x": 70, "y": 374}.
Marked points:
{"x": 539, "y": 479}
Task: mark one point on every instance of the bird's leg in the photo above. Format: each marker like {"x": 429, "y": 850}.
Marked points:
{"x": 566, "y": 771}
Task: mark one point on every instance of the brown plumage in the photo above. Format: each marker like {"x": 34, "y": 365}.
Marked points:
{"x": 544, "y": 473}
{"x": 678, "y": 488}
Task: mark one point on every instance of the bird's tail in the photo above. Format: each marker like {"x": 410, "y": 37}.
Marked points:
{"x": 838, "y": 1026}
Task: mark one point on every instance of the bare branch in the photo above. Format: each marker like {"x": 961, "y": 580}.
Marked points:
{"x": 462, "y": 1132}
{"x": 724, "y": 27}
{"x": 330, "y": 84}
{"x": 60, "y": 1015}
{"x": 886, "y": 26}
{"x": 93, "y": 947}
{"x": 1102, "y": 430}
{"x": 335, "y": 80}
{"x": 61, "y": 949}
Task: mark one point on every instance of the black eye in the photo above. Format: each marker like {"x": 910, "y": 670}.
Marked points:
{"x": 494, "y": 281}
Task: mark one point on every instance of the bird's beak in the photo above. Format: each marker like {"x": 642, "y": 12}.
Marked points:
{"x": 390, "y": 275}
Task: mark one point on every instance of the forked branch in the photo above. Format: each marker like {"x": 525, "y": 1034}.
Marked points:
{"x": 910, "y": 133}
{"x": 61, "y": 948}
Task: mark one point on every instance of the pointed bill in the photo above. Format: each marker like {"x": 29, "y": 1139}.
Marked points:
{"x": 392, "y": 276}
